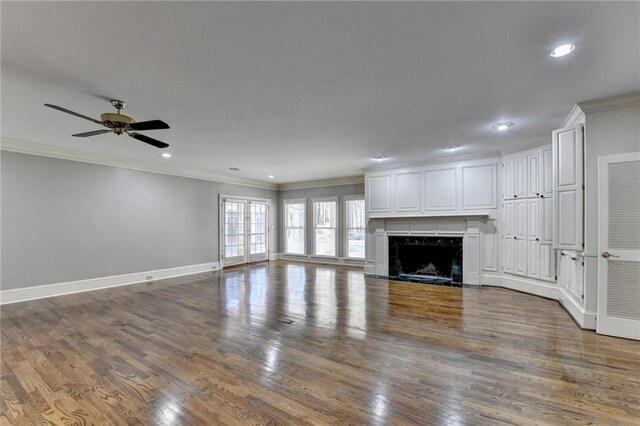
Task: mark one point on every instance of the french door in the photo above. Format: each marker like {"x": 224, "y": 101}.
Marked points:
{"x": 619, "y": 245}
{"x": 244, "y": 231}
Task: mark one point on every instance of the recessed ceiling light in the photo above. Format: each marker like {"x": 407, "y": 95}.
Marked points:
{"x": 452, "y": 147}
{"x": 562, "y": 50}
{"x": 502, "y": 126}
{"x": 380, "y": 158}
{"x": 166, "y": 155}
{"x": 234, "y": 169}
{"x": 271, "y": 176}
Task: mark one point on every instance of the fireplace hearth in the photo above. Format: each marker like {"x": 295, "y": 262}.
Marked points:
{"x": 430, "y": 260}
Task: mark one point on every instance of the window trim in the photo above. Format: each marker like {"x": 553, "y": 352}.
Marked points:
{"x": 285, "y": 225}
{"x": 345, "y": 228}
{"x": 335, "y": 199}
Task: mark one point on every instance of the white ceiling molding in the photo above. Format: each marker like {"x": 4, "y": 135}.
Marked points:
{"x": 32, "y": 148}
{"x": 527, "y": 146}
{"x": 449, "y": 160}
{"x": 350, "y": 180}
{"x": 576, "y": 115}
{"x": 610, "y": 102}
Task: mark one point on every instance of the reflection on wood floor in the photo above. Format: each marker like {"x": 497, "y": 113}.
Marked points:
{"x": 292, "y": 343}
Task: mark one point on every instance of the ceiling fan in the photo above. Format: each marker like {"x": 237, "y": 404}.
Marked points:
{"x": 119, "y": 123}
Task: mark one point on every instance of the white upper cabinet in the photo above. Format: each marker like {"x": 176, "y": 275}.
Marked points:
{"x": 479, "y": 187}
{"x": 469, "y": 187}
{"x": 407, "y": 193}
{"x": 378, "y": 193}
{"x": 568, "y": 188}
{"x": 508, "y": 179}
{"x": 546, "y": 183}
{"x": 439, "y": 191}
{"x": 520, "y": 187}
{"x": 533, "y": 175}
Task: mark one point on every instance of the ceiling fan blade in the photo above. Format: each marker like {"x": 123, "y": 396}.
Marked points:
{"x": 149, "y": 125}
{"x": 150, "y": 141}
{"x": 94, "y": 133}
{"x": 73, "y": 113}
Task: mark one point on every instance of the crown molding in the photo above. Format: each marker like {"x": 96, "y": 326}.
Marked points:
{"x": 527, "y": 146}
{"x": 575, "y": 116}
{"x": 349, "y": 180}
{"x": 64, "y": 153}
{"x": 610, "y": 102}
{"x": 449, "y": 160}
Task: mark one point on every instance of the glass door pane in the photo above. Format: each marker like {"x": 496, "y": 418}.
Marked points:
{"x": 257, "y": 230}
{"x": 234, "y": 231}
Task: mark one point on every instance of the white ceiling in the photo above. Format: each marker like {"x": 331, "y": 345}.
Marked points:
{"x": 310, "y": 90}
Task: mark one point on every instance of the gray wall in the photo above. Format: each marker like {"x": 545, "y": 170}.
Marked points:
{"x": 65, "y": 220}
{"x": 308, "y": 194}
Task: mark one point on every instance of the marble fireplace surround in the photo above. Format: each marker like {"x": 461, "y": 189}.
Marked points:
{"x": 467, "y": 227}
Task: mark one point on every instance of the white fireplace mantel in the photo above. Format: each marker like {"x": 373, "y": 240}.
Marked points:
{"x": 467, "y": 227}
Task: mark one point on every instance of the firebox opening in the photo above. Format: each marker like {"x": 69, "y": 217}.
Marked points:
{"x": 433, "y": 260}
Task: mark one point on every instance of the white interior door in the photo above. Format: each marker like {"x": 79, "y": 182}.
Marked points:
{"x": 619, "y": 245}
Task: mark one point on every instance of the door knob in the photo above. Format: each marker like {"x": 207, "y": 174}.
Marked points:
{"x": 607, "y": 255}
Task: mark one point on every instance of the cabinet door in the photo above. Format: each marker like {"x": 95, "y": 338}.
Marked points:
{"x": 508, "y": 238}
{"x": 547, "y": 172}
{"x": 533, "y": 207}
{"x": 521, "y": 177}
{"x": 520, "y": 264}
{"x": 378, "y": 190}
{"x": 520, "y": 222}
{"x": 547, "y": 262}
{"x": 509, "y": 255}
{"x": 533, "y": 259}
{"x": 407, "y": 198}
{"x": 567, "y": 188}
{"x": 546, "y": 220}
{"x": 508, "y": 179}
{"x": 508, "y": 218}
{"x": 533, "y": 180}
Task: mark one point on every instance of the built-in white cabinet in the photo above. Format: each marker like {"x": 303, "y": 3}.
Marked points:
{"x": 407, "y": 193}
{"x": 469, "y": 187}
{"x": 568, "y": 181}
{"x": 528, "y": 213}
{"x": 570, "y": 273}
{"x": 378, "y": 196}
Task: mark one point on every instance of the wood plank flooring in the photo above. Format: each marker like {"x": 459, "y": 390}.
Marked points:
{"x": 218, "y": 348}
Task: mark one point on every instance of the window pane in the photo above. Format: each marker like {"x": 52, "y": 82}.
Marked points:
{"x": 295, "y": 240}
{"x": 325, "y": 214}
{"x": 355, "y": 214}
{"x": 355, "y": 243}
{"x": 325, "y": 242}
{"x": 295, "y": 215}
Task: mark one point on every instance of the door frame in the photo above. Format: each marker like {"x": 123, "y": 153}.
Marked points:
{"x": 608, "y": 325}
{"x": 221, "y": 217}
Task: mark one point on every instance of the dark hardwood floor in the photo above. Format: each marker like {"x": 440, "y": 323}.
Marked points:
{"x": 219, "y": 348}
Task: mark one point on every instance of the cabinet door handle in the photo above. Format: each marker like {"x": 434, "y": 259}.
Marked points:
{"x": 542, "y": 196}
{"x": 537, "y": 193}
{"x": 537, "y": 239}
{"x": 515, "y": 238}
{"x": 515, "y": 196}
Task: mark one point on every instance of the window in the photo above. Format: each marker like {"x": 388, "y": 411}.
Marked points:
{"x": 324, "y": 227}
{"x": 294, "y": 218}
{"x": 355, "y": 227}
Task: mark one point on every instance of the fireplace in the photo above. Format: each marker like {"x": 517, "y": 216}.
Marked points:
{"x": 433, "y": 260}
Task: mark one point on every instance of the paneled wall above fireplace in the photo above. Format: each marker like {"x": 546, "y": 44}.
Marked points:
{"x": 453, "y": 189}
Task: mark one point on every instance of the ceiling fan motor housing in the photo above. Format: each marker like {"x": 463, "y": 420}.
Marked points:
{"x": 117, "y": 122}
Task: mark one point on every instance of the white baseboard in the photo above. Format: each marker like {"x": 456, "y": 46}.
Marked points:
{"x": 317, "y": 259}
{"x": 525, "y": 285}
{"x": 586, "y": 320}
{"x": 59, "y": 289}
